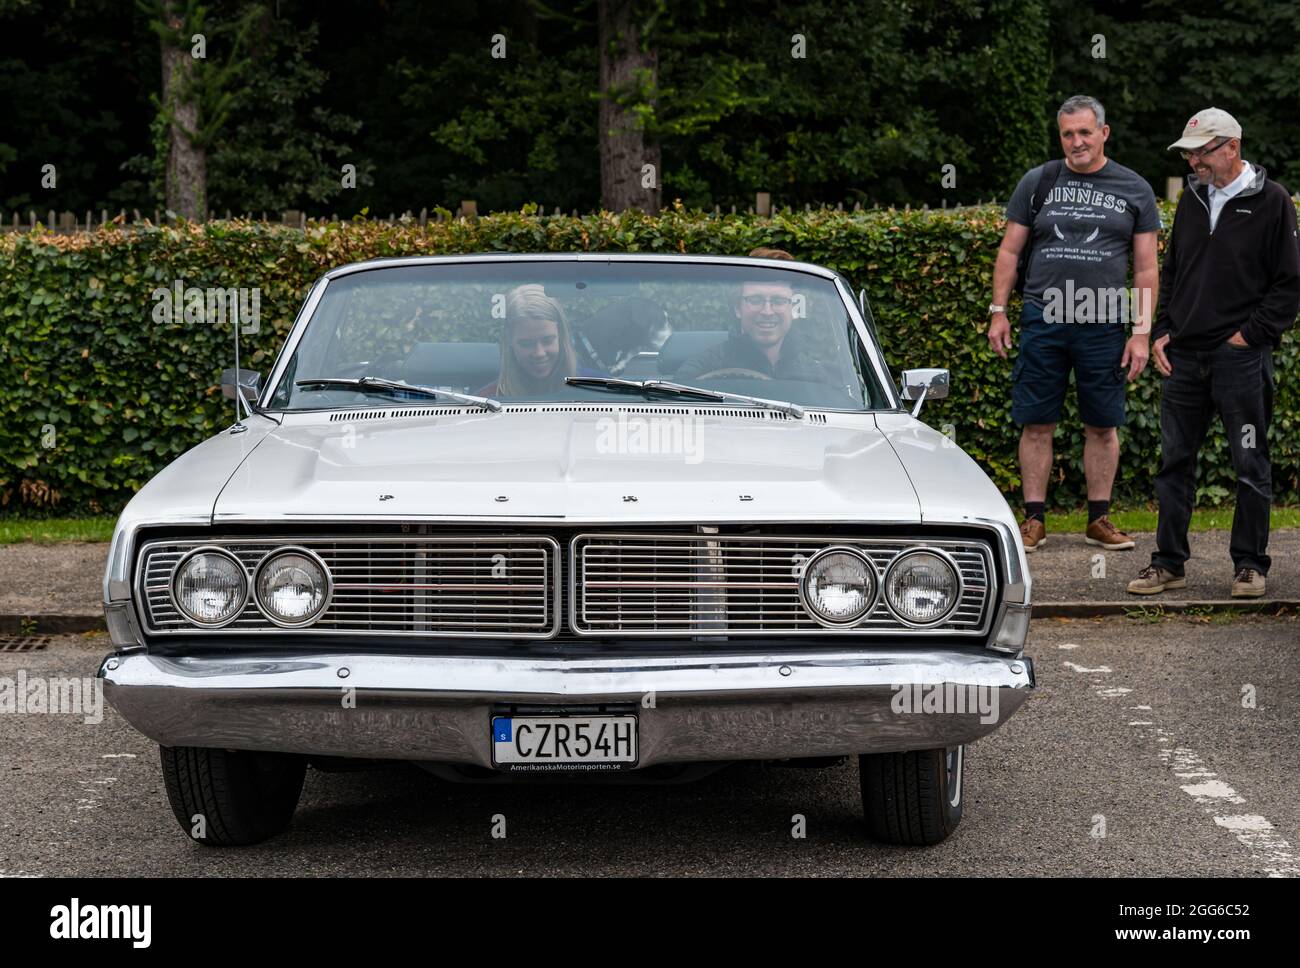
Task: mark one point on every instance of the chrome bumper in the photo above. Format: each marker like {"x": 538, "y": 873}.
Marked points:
{"x": 690, "y": 709}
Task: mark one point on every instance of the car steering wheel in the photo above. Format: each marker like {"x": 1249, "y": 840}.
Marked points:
{"x": 732, "y": 371}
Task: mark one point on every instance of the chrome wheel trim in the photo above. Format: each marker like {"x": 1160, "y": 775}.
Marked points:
{"x": 954, "y": 757}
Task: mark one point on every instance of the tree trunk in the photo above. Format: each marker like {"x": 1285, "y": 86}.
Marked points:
{"x": 625, "y": 148}
{"x": 186, "y": 160}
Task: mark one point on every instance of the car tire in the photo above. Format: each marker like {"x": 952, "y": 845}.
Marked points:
{"x": 230, "y": 798}
{"x": 912, "y": 799}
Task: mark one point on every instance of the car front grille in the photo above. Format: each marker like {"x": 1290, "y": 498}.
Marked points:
{"x": 639, "y": 584}
{"x": 479, "y": 586}
{"x": 617, "y": 584}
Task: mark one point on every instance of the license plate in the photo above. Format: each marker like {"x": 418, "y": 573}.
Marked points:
{"x": 552, "y": 743}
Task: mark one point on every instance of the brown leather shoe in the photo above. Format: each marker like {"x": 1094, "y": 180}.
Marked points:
{"x": 1032, "y": 534}
{"x": 1247, "y": 583}
{"x": 1152, "y": 580}
{"x": 1101, "y": 532}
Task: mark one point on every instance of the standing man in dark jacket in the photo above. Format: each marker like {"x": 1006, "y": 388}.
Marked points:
{"x": 1230, "y": 288}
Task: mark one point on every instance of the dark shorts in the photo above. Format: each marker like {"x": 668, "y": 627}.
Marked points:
{"x": 1049, "y": 351}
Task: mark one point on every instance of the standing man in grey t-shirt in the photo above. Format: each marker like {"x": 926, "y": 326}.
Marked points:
{"x": 1077, "y": 222}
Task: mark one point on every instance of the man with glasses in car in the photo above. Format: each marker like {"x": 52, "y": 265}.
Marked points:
{"x": 762, "y": 346}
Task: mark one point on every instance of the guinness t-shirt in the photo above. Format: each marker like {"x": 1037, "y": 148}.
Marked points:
{"x": 1081, "y": 240}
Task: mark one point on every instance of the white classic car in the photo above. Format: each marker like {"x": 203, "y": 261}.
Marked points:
{"x": 598, "y": 517}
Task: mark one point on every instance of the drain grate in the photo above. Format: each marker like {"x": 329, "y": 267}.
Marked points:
{"x": 23, "y": 643}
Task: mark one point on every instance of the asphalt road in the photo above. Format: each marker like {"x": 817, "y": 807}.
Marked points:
{"x": 1137, "y": 731}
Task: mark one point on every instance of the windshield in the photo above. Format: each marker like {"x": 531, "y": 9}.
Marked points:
{"x": 514, "y": 331}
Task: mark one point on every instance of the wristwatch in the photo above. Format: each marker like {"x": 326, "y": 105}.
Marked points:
{"x": 995, "y": 308}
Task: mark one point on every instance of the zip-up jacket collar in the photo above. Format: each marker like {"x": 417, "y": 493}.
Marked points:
{"x": 1253, "y": 187}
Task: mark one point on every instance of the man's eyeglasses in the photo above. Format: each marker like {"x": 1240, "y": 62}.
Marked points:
{"x": 776, "y": 302}
{"x": 1202, "y": 152}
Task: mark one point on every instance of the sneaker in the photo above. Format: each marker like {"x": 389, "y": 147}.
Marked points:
{"x": 1152, "y": 580}
{"x": 1032, "y": 534}
{"x": 1247, "y": 583}
{"x": 1101, "y": 532}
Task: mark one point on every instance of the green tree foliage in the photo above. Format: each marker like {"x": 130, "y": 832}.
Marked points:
{"x": 74, "y": 85}
{"x": 807, "y": 101}
{"x": 886, "y": 94}
{"x": 880, "y": 100}
{"x": 1167, "y": 59}
{"x": 280, "y": 148}
{"x": 526, "y": 130}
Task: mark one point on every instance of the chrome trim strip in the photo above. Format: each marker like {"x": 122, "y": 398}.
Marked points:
{"x": 122, "y": 555}
{"x": 438, "y": 708}
{"x": 299, "y": 327}
{"x": 607, "y": 257}
{"x": 877, "y": 361}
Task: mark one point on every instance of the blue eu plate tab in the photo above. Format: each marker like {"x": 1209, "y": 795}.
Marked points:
{"x": 502, "y": 730}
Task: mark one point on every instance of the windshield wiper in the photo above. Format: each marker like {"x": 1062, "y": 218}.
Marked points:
{"x": 681, "y": 390}
{"x": 374, "y": 384}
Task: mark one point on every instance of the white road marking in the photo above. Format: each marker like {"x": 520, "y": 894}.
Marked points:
{"x": 94, "y": 797}
{"x": 1212, "y": 790}
{"x": 1261, "y": 839}
{"x": 1272, "y": 854}
{"x": 1185, "y": 763}
{"x": 1079, "y": 668}
{"x": 1068, "y": 645}
{"x": 116, "y": 756}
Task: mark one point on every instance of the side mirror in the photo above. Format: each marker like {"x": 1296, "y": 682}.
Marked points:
{"x": 922, "y": 385}
{"x": 249, "y": 383}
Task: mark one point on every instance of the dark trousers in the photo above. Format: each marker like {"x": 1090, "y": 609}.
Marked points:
{"x": 1237, "y": 382}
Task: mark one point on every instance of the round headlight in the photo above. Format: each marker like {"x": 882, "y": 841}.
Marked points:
{"x": 922, "y": 587}
{"x": 209, "y": 587}
{"x": 838, "y": 586}
{"x": 293, "y": 587}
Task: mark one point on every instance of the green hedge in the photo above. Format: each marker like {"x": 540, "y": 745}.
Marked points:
{"x": 98, "y": 397}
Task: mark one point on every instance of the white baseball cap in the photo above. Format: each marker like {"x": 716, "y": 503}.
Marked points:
{"x": 1205, "y": 126}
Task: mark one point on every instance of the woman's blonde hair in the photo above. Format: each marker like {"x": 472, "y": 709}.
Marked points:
{"x": 530, "y": 301}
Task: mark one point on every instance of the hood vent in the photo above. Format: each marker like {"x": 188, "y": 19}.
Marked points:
{"x": 389, "y": 413}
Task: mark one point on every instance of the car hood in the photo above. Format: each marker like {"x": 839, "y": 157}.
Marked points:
{"x": 574, "y": 465}
{"x": 950, "y": 486}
